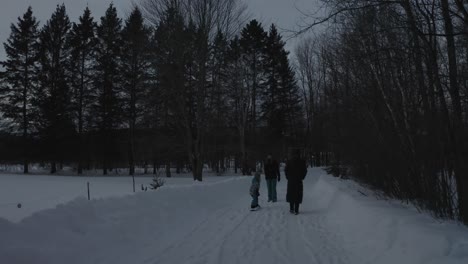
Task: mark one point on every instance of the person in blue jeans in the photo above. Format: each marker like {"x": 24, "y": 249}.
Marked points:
{"x": 272, "y": 174}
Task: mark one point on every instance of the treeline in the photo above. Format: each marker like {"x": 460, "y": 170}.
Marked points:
{"x": 177, "y": 83}
{"x": 387, "y": 92}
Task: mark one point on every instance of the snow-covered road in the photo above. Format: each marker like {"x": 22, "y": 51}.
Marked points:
{"x": 211, "y": 223}
{"x": 232, "y": 234}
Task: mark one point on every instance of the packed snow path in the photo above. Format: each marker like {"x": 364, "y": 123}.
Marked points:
{"x": 211, "y": 223}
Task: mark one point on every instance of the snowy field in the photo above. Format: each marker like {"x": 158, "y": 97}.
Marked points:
{"x": 39, "y": 192}
{"x": 209, "y": 222}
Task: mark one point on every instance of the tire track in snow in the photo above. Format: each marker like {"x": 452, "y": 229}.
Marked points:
{"x": 201, "y": 226}
{"x": 226, "y": 238}
{"x": 210, "y": 235}
{"x": 276, "y": 233}
{"x": 271, "y": 231}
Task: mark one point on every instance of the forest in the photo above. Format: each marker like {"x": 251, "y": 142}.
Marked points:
{"x": 172, "y": 85}
{"x": 380, "y": 95}
{"x": 386, "y": 88}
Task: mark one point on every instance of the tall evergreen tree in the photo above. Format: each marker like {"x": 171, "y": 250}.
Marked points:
{"x": 217, "y": 106}
{"x": 290, "y": 102}
{"x": 172, "y": 45}
{"x": 218, "y": 77}
{"x": 135, "y": 64}
{"x": 54, "y": 93}
{"x": 239, "y": 93}
{"x": 252, "y": 43}
{"x": 281, "y": 103}
{"x": 20, "y": 77}
{"x": 169, "y": 58}
{"x": 253, "y": 38}
{"x": 272, "y": 110}
{"x": 107, "y": 82}
{"x": 82, "y": 42}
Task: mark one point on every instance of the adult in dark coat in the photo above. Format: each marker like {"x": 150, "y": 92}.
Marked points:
{"x": 295, "y": 172}
{"x": 272, "y": 174}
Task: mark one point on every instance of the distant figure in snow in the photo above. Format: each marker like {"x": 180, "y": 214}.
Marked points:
{"x": 255, "y": 191}
{"x": 272, "y": 174}
{"x": 295, "y": 172}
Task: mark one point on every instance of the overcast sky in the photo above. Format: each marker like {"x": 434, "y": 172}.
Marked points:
{"x": 284, "y": 13}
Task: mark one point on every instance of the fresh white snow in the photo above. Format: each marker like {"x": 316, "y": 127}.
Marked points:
{"x": 210, "y": 222}
{"x": 39, "y": 192}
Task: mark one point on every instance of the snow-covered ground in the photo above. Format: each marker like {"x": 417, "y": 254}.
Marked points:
{"x": 209, "y": 222}
{"x": 39, "y": 192}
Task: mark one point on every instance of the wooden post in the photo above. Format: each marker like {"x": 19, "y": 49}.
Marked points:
{"x": 89, "y": 197}
{"x": 133, "y": 177}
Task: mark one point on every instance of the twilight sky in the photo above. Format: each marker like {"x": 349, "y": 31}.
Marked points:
{"x": 284, "y": 13}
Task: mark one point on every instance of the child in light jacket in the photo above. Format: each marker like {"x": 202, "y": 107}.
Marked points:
{"x": 255, "y": 191}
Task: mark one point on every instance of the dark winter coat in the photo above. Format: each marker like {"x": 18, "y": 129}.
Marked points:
{"x": 271, "y": 169}
{"x": 295, "y": 172}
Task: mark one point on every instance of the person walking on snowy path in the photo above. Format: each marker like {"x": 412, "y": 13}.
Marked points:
{"x": 295, "y": 172}
{"x": 255, "y": 191}
{"x": 272, "y": 174}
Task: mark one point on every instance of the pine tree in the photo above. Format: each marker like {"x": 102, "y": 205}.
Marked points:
{"x": 170, "y": 56}
{"x": 281, "y": 99}
{"x": 217, "y": 99}
{"x": 252, "y": 42}
{"x": 239, "y": 93}
{"x": 82, "y": 41}
{"x": 20, "y": 77}
{"x": 272, "y": 94}
{"x": 135, "y": 64}
{"x": 175, "y": 70}
{"x": 290, "y": 99}
{"x": 108, "y": 78}
{"x": 54, "y": 93}
{"x": 218, "y": 78}
{"x": 253, "y": 38}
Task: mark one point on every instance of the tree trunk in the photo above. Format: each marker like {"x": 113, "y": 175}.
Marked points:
{"x": 80, "y": 115}
{"x": 131, "y": 151}
{"x": 25, "y": 141}
{"x": 197, "y": 160}
{"x": 26, "y": 166}
{"x": 25, "y": 153}
{"x": 25, "y": 118}
{"x": 459, "y": 168}
{"x": 133, "y": 117}
{"x": 452, "y": 60}
{"x": 242, "y": 149}
{"x": 198, "y": 169}
{"x": 81, "y": 154}
{"x": 53, "y": 167}
{"x": 168, "y": 169}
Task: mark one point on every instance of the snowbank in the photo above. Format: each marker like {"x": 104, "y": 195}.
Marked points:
{"x": 39, "y": 192}
{"x": 387, "y": 231}
{"x": 112, "y": 230}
